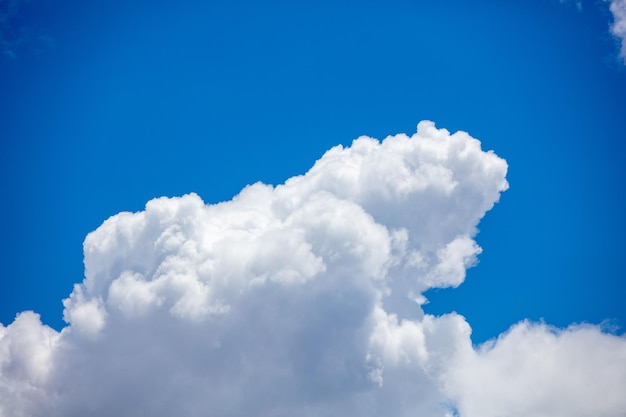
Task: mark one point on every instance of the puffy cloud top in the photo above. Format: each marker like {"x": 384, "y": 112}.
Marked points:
{"x": 302, "y": 299}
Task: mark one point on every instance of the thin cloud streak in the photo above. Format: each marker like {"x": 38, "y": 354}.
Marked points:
{"x": 618, "y": 26}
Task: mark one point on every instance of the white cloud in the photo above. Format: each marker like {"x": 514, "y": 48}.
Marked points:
{"x": 618, "y": 27}
{"x": 301, "y": 299}
{"x": 535, "y": 370}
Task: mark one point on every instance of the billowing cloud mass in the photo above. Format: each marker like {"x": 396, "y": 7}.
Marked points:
{"x": 618, "y": 27}
{"x": 304, "y": 299}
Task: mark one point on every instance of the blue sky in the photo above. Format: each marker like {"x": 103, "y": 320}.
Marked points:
{"x": 106, "y": 105}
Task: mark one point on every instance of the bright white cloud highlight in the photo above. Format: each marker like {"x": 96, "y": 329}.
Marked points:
{"x": 618, "y": 27}
{"x": 535, "y": 370}
{"x": 304, "y": 299}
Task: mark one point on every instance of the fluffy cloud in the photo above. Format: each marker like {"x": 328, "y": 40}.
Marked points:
{"x": 536, "y": 370}
{"x": 303, "y": 299}
{"x": 618, "y": 27}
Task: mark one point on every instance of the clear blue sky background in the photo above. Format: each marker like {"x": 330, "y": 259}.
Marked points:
{"x": 105, "y": 105}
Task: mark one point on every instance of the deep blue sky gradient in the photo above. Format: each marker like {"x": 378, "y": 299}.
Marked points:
{"x": 105, "y": 105}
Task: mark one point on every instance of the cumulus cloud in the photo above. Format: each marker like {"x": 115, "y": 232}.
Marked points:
{"x": 303, "y": 299}
{"x": 618, "y": 27}
{"x": 536, "y": 370}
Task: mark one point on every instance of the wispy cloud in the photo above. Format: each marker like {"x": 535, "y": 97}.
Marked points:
{"x": 15, "y": 35}
{"x": 10, "y": 36}
{"x": 304, "y": 299}
{"x": 576, "y": 3}
{"x": 618, "y": 26}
